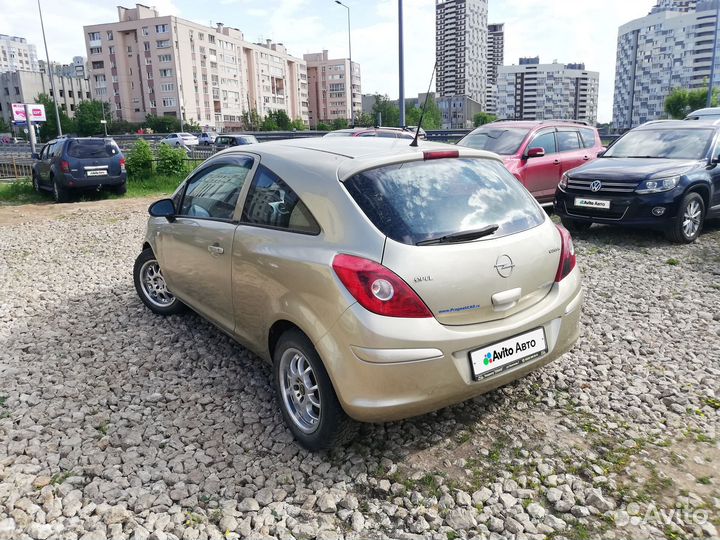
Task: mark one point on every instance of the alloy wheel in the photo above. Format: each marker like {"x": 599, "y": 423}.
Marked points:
{"x": 300, "y": 390}
{"x": 691, "y": 219}
{"x": 153, "y": 284}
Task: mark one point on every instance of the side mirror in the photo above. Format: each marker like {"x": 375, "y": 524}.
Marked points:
{"x": 601, "y": 153}
{"x": 163, "y": 208}
{"x": 536, "y": 152}
{"x": 35, "y": 155}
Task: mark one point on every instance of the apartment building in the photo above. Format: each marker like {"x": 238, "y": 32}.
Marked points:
{"x": 77, "y": 68}
{"x": 329, "y": 93}
{"x": 495, "y": 59}
{"x": 671, "y": 47}
{"x": 16, "y": 53}
{"x": 461, "y": 35}
{"x": 26, "y": 86}
{"x": 147, "y": 63}
{"x": 535, "y": 91}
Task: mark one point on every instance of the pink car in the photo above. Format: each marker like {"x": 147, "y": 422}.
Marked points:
{"x": 538, "y": 152}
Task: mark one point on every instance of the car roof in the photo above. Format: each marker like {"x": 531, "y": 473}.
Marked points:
{"x": 530, "y": 124}
{"x": 679, "y": 124}
{"x": 343, "y": 157}
{"x": 705, "y": 111}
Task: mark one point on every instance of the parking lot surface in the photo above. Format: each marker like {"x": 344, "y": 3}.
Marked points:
{"x": 116, "y": 423}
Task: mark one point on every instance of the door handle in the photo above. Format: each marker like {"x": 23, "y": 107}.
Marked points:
{"x": 585, "y": 158}
{"x": 215, "y": 249}
{"x": 556, "y": 162}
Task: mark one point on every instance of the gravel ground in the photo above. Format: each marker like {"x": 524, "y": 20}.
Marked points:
{"x": 115, "y": 423}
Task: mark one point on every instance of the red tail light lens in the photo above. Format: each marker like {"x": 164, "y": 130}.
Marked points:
{"x": 378, "y": 289}
{"x": 440, "y": 154}
{"x": 567, "y": 255}
{"x": 122, "y": 164}
{"x": 65, "y": 166}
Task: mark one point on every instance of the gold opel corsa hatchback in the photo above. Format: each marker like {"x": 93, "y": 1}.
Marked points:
{"x": 381, "y": 280}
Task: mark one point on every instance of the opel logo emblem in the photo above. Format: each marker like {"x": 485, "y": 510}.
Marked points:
{"x": 596, "y": 185}
{"x": 504, "y": 266}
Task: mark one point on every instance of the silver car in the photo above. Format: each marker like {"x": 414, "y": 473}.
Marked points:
{"x": 380, "y": 280}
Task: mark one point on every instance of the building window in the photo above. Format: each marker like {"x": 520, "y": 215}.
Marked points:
{"x": 94, "y": 36}
{"x": 166, "y": 72}
{"x": 167, "y": 87}
{"x": 162, "y": 28}
{"x": 148, "y": 61}
{"x": 163, "y": 43}
{"x": 146, "y": 45}
{"x": 95, "y": 50}
{"x": 165, "y": 58}
{"x": 145, "y": 31}
{"x": 109, "y": 35}
{"x": 129, "y": 49}
{"x": 111, "y": 49}
{"x": 211, "y": 39}
{"x": 98, "y": 65}
{"x": 169, "y": 102}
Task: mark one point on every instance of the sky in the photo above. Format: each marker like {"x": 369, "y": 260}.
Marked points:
{"x": 562, "y": 30}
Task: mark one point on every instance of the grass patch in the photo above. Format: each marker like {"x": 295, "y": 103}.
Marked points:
{"x": 21, "y": 192}
{"x": 672, "y": 262}
{"x": 60, "y": 477}
{"x": 704, "y": 480}
{"x": 714, "y": 403}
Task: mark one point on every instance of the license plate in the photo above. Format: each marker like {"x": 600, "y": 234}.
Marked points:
{"x": 592, "y": 203}
{"x": 96, "y": 173}
{"x": 505, "y": 354}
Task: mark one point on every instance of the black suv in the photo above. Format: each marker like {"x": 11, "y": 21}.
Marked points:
{"x": 663, "y": 175}
{"x": 73, "y": 163}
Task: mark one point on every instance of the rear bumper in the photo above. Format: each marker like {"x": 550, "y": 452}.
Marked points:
{"x": 386, "y": 369}
{"x": 92, "y": 182}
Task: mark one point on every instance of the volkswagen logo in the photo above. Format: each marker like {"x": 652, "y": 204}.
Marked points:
{"x": 504, "y": 266}
{"x": 595, "y": 185}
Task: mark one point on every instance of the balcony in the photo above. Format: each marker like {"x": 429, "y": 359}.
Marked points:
{"x": 95, "y": 43}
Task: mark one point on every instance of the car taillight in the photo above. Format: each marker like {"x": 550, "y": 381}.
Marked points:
{"x": 122, "y": 164}
{"x": 567, "y": 255}
{"x": 378, "y": 289}
{"x": 440, "y": 154}
{"x": 65, "y": 166}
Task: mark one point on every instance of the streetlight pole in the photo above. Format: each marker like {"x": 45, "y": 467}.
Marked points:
{"x": 50, "y": 74}
{"x": 401, "y": 64}
{"x": 714, "y": 56}
{"x": 352, "y": 110}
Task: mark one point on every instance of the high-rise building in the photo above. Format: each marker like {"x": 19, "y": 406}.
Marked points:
{"x": 671, "y": 47}
{"x": 461, "y": 34}
{"x": 495, "y": 59}
{"x": 25, "y": 86}
{"x": 75, "y": 69}
{"x": 164, "y": 65}
{"x": 16, "y": 53}
{"x": 535, "y": 91}
{"x": 330, "y": 95}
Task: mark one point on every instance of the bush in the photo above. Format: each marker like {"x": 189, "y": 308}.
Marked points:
{"x": 322, "y": 126}
{"x": 170, "y": 161}
{"x": 139, "y": 159}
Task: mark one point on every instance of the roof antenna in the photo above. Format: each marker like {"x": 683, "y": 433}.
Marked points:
{"x": 422, "y": 114}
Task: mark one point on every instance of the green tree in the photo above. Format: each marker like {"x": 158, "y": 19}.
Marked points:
{"x": 4, "y": 126}
{"x": 322, "y": 126}
{"x": 121, "y": 127}
{"x": 390, "y": 114}
{"x": 88, "y": 116}
{"x": 364, "y": 120}
{"x": 339, "y": 123}
{"x": 48, "y": 129}
{"x": 162, "y": 124}
{"x": 269, "y": 123}
{"x": 192, "y": 126}
{"x": 483, "y": 118}
{"x": 251, "y": 120}
{"x": 139, "y": 159}
{"x": 432, "y": 119}
{"x": 682, "y": 101}
{"x": 298, "y": 124}
{"x": 282, "y": 120}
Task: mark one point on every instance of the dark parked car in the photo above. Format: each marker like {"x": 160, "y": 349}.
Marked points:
{"x": 663, "y": 175}
{"x": 73, "y": 164}
{"x": 233, "y": 139}
{"x": 538, "y": 152}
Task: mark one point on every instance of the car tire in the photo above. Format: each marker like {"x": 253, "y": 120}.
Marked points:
{"x": 60, "y": 194}
{"x": 121, "y": 189}
{"x": 301, "y": 379}
{"x": 151, "y": 288}
{"x": 689, "y": 221}
{"x": 575, "y": 225}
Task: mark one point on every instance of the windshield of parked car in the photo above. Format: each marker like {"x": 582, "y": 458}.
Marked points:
{"x": 186, "y": 135}
{"x": 505, "y": 141}
{"x": 247, "y": 139}
{"x": 662, "y": 143}
{"x": 425, "y": 200}
{"x": 92, "y": 148}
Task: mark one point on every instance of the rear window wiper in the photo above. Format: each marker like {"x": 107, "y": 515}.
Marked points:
{"x": 462, "y": 236}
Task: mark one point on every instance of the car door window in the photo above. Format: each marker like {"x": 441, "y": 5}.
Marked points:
{"x": 44, "y": 152}
{"x": 588, "y": 137}
{"x": 272, "y": 203}
{"x": 213, "y": 192}
{"x": 546, "y": 141}
{"x": 567, "y": 141}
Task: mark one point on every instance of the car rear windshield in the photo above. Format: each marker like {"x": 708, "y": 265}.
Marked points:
{"x": 505, "y": 141}
{"x": 425, "y": 200}
{"x": 92, "y": 148}
{"x": 339, "y": 134}
{"x": 662, "y": 143}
